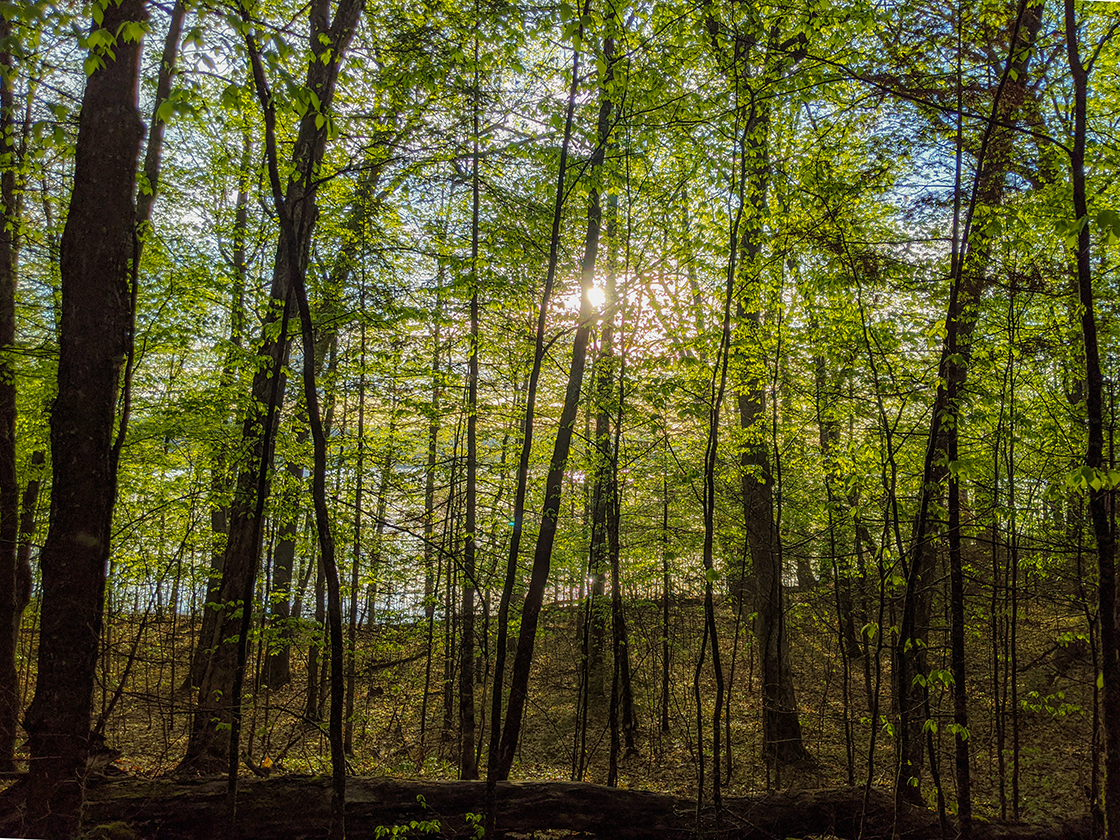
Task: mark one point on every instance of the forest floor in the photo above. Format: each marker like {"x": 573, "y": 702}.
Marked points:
{"x": 1054, "y": 692}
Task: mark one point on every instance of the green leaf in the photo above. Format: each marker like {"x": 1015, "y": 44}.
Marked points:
{"x": 92, "y": 64}
{"x": 231, "y": 96}
{"x": 1109, "y": 222}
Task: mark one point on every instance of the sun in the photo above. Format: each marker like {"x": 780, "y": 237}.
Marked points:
{"x": 596, "y": 296}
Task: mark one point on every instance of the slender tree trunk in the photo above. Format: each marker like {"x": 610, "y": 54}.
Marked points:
{"x": 969, "y": 281}
{"x": 221, "y": 480}
{"x": 312, "y": 706}
{"x": 495, "y": 761}
{"x": 359, "y": 473}
{"x": 468, "y": 765}
{"x": 829, "y": 430}
{"x": 1099, "y": 497}
{"x": 97, "y": 263}
{"x": 27, "y": 530}
{"x": 621, "y": 636}
{"x": 382, "y": 506}
{"x": 209, "y": 744}
{"x": 326, "y": 541}
{"x": 278, "y": 662}
{"x": 278, "y": 667}
{"x": 153, "y": 154}
{"x": 542, "y": 556}
{"x": 665, "y": 580}
{"x": 602, "y": 500}
{"x": 10, "y": 613}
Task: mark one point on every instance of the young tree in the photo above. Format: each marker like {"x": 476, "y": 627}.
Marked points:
{"x": 1100, "y": 509}
{"x": 208, "y": 747}
{"x": 10, "y": 615}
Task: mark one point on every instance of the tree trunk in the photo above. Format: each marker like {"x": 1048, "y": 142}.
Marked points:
{"x": 970, "y": 279}
{"x": 208, "y": 748}
{"x": 468, "y": 764}
{"x": 10, "y": 612}
{"x": 430, "y": 469}
{"x": 98, "y": 249}
{"x": 221, "y": 480}
{"x": 781, "y": 725}
{"x": 312, "y": 706}
{"x": 495, "y": 758}
{"x": 278, "y": 662}
{"x": 355, "y": 570}
{"x": 1100, "y": 497}
{"x": 554, "y": 484}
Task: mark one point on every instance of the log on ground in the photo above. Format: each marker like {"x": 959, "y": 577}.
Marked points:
{"x": 293, "y": 807}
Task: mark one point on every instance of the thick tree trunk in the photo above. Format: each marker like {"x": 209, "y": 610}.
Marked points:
{"x": 98, "y": 249}
{"x": 781, "y": 725}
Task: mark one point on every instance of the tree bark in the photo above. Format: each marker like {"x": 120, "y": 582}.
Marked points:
{"x": 1100, "y": 497}
{"x": 10, "y": 612}
{"x": 208, "y": 748}
{"x": 781, "y": 724}
{"x": 554, "y": 483}
{"x": 180, "y": 812}
{"x": 97, "y": 263}
{"x": 495, "y": 760}
{"x": 468, "y": 764}
{"x": 970, "y": 279}
{"x": 221, "y": 480}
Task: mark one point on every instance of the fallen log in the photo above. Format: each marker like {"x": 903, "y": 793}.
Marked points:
{"x": 294, "y": 807}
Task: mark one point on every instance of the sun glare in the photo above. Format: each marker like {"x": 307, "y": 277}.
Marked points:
{"x": 596, "y": 296}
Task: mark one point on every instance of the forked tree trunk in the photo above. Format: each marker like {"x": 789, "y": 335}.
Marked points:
{"x": 496, "y": 769}
{"x": 98, "y": 249}
{"x": 208, "y": 748}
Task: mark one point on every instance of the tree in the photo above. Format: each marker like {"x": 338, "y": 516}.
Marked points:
{"x": 209, "y": 743}
{"x": 98, "y": 253}
{"x": 10, "y": 590}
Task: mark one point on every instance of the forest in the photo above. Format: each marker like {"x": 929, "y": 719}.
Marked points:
{"x": 618, "y": 418}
